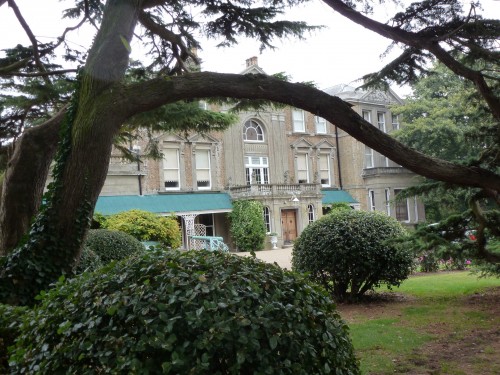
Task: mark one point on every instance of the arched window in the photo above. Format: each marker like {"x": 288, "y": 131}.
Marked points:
{"x": 252, "y": 131}
{"x": 267, "y": 219}
{"x": 310, "y": 213}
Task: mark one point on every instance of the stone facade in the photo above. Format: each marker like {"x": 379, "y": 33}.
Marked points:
{"x": 283, "y": 157}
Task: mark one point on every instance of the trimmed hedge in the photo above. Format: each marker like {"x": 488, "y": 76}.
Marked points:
{"x": 351, "y": 252}
{"x": 112, "y": 245}
{"x": 89, "y": 261}
{"x": 186, "y": 313}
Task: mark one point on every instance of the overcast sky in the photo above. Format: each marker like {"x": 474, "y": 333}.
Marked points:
{"x": 340, "y": 53}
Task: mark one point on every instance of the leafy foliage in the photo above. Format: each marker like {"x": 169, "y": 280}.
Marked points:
{"x": 352, "y": 252}
{"x": 110, "y": 245}
{"x": 89, "y": 261}
{"x": 10, "y": 322}
{"x": 194, "y": 312}
{"x": 146, "y": 226}
{"x": 247, "y": 228}
{"x": 456, "y": 238}
{"x": 446, "y": 119}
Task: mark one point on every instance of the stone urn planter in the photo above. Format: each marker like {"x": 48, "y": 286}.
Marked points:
{"x": 274, "y": 239}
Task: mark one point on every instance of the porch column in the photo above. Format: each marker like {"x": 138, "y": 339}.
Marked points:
{"x": 189, "y": 223}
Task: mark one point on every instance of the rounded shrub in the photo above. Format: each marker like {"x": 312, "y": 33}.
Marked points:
{"x": 89, "y": 261}
{"x": 351, "y": 252}
{"x": 190, "y": 312}
{"x": 112, "y": 244}
{"x": 147, "y": 226}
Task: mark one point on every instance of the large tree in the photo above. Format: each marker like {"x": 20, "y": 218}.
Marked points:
{"x": 104, "y": 100}
{"x": 446, "y": 118}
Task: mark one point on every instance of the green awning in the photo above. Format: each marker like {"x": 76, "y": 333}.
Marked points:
{"x": 165, "y": 203}
{"x": 337, "y": 196}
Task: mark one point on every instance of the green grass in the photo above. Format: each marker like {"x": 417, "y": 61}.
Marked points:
{"x": 385, "y": 345}
{"x": 446, "y": 285}
{"x": 381, "y": 341}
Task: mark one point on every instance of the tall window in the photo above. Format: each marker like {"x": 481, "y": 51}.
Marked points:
{"x": 310, "y": 213}
{"x": 171, "y": 175}
{"x": 203, "y": 180}
{"x": 324, "y": 170}
{"x": 320, "y": 125}
{"x": 402, "y": 210}
{"x": 371, "y": 200}
{"x": 302, "y": 169}
{"x": 252, "y": 131}
{"x": 299, "y": 123}
{"x": 368, "y": 157}
{"x": 388, "y": 201}
{"x": 257, "y": 169}
{"x": 367, "y": 115}
{"x": 395, "y": 122}
{"x": 267, "y": 219}
{"x": 381, "y": 121}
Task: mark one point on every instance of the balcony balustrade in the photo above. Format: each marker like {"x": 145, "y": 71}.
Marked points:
{"x": 276, "y": 190}
{"x": 381, "y": 171}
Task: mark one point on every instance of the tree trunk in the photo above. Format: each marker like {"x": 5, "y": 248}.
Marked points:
{"x": 24, "y": 181}
{"x": 81, "y": 164}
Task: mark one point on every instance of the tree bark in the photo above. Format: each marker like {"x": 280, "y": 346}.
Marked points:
{"x": 24, "y": 180}
{"x": 58, "y": 232}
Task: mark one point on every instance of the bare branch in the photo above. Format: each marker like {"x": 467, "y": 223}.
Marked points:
{"x": 180, "y": 51}
{"x": 421, "y": 41}
{"x": 31, "y": 36}
{"x": 39, "y": 74}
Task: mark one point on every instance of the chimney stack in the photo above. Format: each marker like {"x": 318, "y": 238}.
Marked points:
{"x": 252, "y": 61}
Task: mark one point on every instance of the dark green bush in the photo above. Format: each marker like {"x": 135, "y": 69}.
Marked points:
{"x": 10, "y": 321}
{"x": 89, "y": 261}
{"x": 247, "y": 228}
{"x": 191, "y": 312}
{"x": 350, "y": 252}
{"x": 112, "y": 244}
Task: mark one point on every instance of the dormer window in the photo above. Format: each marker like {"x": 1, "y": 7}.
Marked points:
{"x": 252, "y": 131}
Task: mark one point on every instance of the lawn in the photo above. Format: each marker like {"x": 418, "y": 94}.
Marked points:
{"x": 440, "y": 323}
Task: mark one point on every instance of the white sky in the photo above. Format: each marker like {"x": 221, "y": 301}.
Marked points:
{"x": 340, "y": 53}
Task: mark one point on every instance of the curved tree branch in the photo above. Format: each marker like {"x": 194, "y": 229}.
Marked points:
{"x": 421, "y": 40}
{"x": 148, "y": 95}
{"x": 25, "y": 177}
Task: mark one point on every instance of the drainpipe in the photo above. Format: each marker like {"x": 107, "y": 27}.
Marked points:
{"x": 338, "y": 157}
